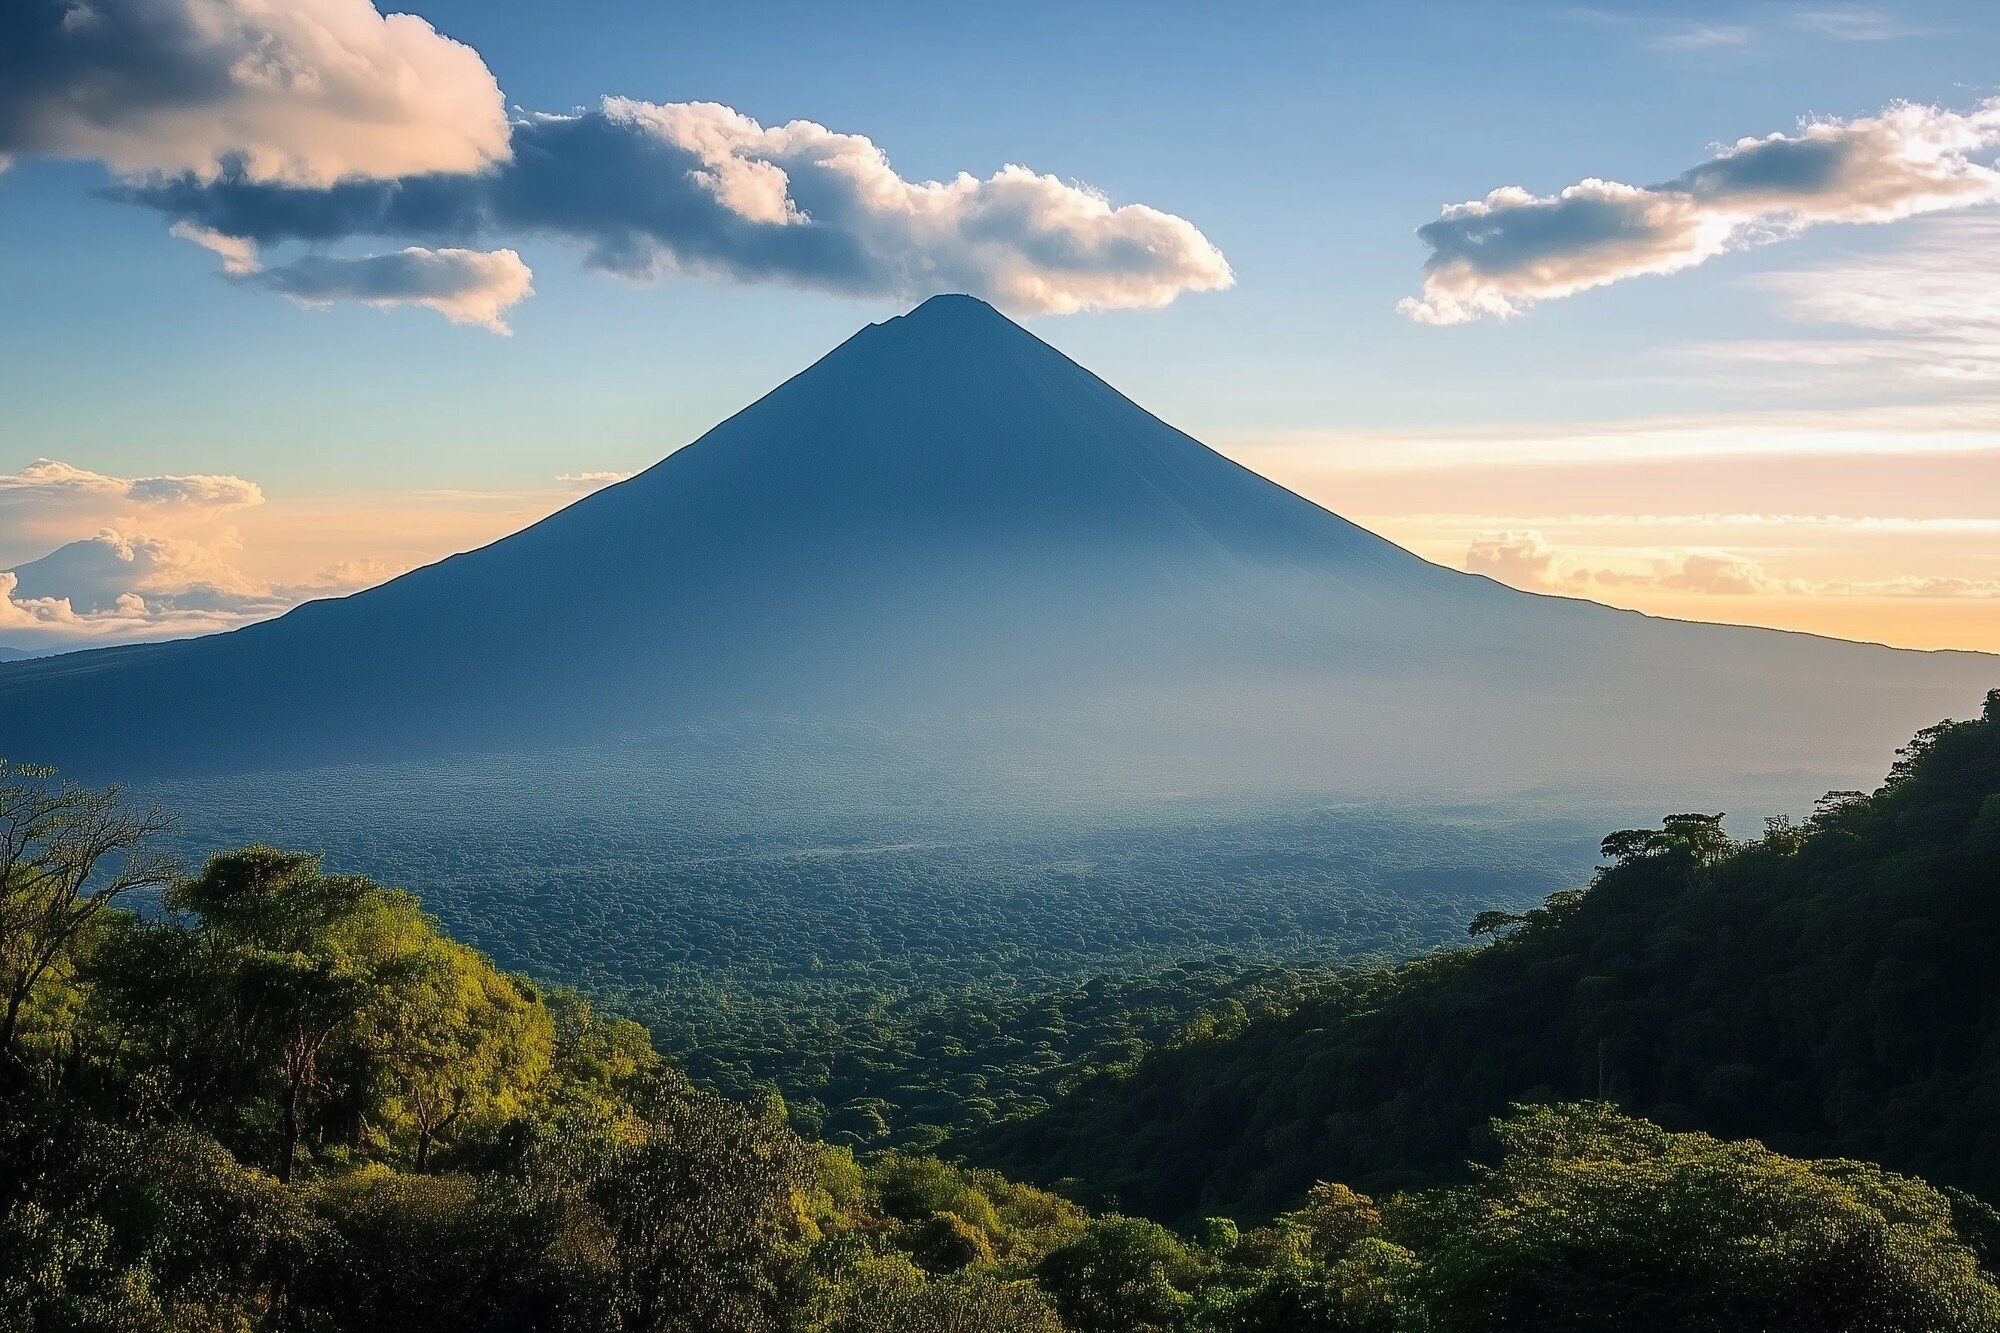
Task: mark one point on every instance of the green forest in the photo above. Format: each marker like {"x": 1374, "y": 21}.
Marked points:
{"x": 282, "y": 1097}
{"x": 903, "y": 955}
{"x": 1827, "y": 988}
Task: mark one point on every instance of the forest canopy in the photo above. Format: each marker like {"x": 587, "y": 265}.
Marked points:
{"x": 287, "y": 1099}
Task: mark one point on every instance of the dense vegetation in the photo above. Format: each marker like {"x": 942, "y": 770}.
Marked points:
{"x": 899, "y": 954}
{"x": 1827, "y": 987}
{"x": 288, "y": 1102}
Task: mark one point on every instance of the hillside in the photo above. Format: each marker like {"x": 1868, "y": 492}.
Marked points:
{"x": 947, "y": 529}
{"x": 1828, "y": 988}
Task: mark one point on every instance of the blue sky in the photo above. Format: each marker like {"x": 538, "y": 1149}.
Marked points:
{"x": 1306, "y": 142}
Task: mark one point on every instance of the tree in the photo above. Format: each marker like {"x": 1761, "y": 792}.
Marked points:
{"x": 705, "y": 1212}
{"x": 293, "y": 962}
{"x": 1494, "y": 922}
{"x": 1124, "y": 1275}
{"x": 147, "y": 1229}
{"x": 66, "y": 854}
{"x": 458, "y": 1038}
{"x": 1700, "y": 838}
{"x": 1334, "y": 1218}
{"x": 1595, "y": 1221}
{"x": 457, "y": 1253}
{"x": 281, "y": 998}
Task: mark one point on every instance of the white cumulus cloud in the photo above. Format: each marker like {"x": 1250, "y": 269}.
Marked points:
{"x": 1500, "y": 255}
{"x": 465, "y": 286}
{"x": 50, "y": 501}
{"x": 307, "y": 92}
{"x": 650, "y": 190}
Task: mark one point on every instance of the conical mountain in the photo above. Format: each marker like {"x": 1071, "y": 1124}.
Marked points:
{"x": 943, "y": 519}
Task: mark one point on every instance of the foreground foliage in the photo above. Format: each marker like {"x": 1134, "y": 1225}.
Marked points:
{"x": 289, "y": 1101}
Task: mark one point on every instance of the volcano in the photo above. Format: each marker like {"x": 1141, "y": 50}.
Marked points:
{"x": 945, "y": 523}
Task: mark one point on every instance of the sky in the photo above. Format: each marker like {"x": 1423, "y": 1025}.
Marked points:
{"x": 1687, "y": 307}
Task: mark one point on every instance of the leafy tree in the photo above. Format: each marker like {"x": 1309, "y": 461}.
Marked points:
{"x": 458, "y": 1253}
{"x": 457, "y": 1039}
{"x": 1596, "y": 1221}
{"x": 1366, "y": 1291}
{"x": 1124, "y": 1275}
{"x": 705, "y": 1212}
{"x": 1333, "y": 1219}
{"x": 66, "y": 854}
{"x": 157, "y": 1229}
{"x": 1495, "y": 921}
{"x": 1700, "y": 839}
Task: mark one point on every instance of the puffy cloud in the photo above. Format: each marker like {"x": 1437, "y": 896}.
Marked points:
{"x": 238, "y": 256}
{"x": 1527, "y": 559}
{"x": 1722, "y": 575}
{"x": 95, "y": 576}
{"x": 1521, "y": 559}
{"x": 50, "y": 501}
{"x": 204, "y": 492}
{"x": 305, "y": 91}
{"x": 121, "y": 586}
{"x": 465, "y": 286}
{"x": 591, "y": 481}
{"x": 28, "y": 612}
{"x": 1499, "y": 255}
{"x": 698, "y": 189}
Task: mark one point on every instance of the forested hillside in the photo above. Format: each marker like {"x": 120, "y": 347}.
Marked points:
{"x": 290, "y": 1102}
{"x": 1828, "y": 987}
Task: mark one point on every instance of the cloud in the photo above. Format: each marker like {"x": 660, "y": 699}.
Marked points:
{"x": 1521, "y": 559}
{"x": 1852, "y": 23}
{"x": 465, "y": 286}
{"x": 97, "y": 575}
{"x": 591, "y": 481}
{"x": 1708, "y": 37}
{"x": 1500, "y": 255}
{"x": 306, "y": 92}
{"x": 697, "y": 189}
{"x": 1926, "y": 314}
{"x": 238, "y": 256}
{"x": 1718, "y": 574}
{"x": 49, "y": 501}
{"x": 205, "y": 492}
{"x": 1526, "y": 559}
{"x": 121, "y": 586}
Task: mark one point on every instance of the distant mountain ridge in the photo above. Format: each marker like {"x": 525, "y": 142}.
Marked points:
{"x": 945, "y": 518}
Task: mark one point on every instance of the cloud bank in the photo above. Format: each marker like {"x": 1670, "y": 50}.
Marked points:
{"x": 307, "y": 92}
{"x": 1526, "y": 559}
{"x": 651, "y": 191}
{"x": 1500, "y": 255}
{"x": 318, "y": 121}
{"x": 119, "y": 586}
{"x": 49, "y": 501}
